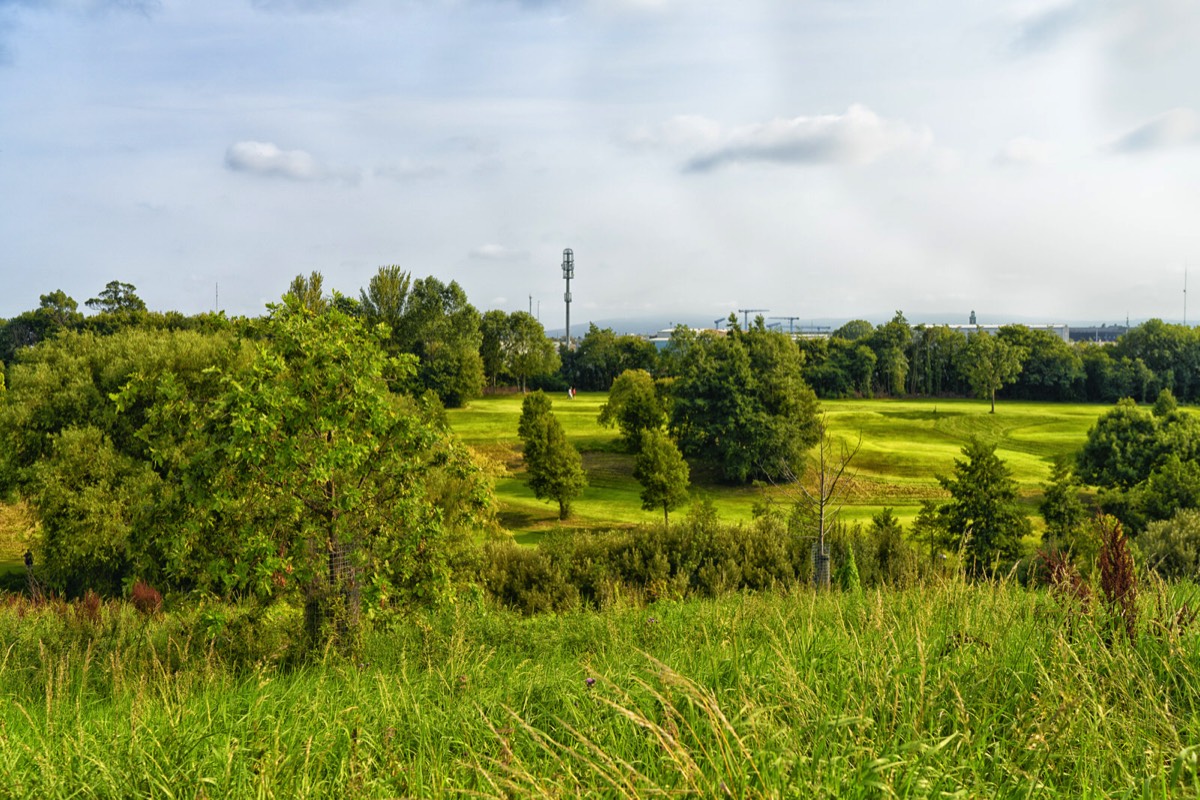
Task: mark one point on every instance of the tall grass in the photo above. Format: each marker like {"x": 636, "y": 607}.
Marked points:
{"x": 947, "y": 690}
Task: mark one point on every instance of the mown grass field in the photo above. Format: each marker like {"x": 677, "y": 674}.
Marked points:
{"x": 946, "y": 690}
{"x": 905, "y": 445}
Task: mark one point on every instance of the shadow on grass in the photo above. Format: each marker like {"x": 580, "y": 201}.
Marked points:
{"x": 932, "y": 415}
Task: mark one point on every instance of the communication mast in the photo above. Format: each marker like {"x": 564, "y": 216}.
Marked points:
{"x": 568, "y": 268}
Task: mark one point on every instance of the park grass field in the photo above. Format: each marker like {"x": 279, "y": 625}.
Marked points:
{"x": 905, "y": 445}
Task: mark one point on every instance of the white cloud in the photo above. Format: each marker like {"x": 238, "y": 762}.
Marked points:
{"x": 498, "y": 252}
{"x": 407, "y": 170}
{"x": 266, "y": 158}
{"x": 859, "y": 136}
{"x": 1174, "y": 128}
{"x": 1023, "y": 151}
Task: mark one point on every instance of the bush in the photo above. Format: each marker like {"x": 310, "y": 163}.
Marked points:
{"x": 1172, "y": 547}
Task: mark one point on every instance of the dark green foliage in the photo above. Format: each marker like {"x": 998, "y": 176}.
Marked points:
{"x": 697, "y": 557}
{"x": 740, "y": 404}
{"x": 1122, "y": 448}
{"x": 602, "y": 355}
{"x": 982, "y": 516}
{"x": 1061, "y": 507}
{"x": 660, "y": 469}
{"x": 92, "y": 503}
{"x": 1171, "y": 354}
{"x": 554, "y": 465}
{"x": 117, "y": 298}
{"x": 1051, "y": 368}
{"x": 1144, "y": 463}
{"x": 433, "y": 321}
{"x": 315, "y": 477}
{"x": 891, "y": 342}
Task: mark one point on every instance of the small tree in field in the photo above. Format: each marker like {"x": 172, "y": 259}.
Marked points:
{"x": 554, "y": 465}
{"x": 660, "y": 469}
{"x": 983, "y": 516}
{"x": 990, "y": 364}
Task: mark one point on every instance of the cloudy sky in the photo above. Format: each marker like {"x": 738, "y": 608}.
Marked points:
{"x": 1034, "y": 159}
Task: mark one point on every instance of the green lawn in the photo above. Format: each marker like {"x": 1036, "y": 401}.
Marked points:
{"x": 906, "y": 444}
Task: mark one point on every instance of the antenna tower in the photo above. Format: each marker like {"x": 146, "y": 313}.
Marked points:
{"x": 568, "y": 268}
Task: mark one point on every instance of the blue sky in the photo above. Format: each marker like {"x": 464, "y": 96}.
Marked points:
{"x": 1034, "y": 159}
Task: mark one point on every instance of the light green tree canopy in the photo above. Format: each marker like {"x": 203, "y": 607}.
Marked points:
{"x": 633, "y": 406}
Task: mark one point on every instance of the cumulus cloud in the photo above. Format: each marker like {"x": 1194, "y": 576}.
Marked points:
{"x": 858, "y": 136}
{"x": 1174, "y": 128}
{"x": 1023, "y": 151}
{"x": 266, "y": 158}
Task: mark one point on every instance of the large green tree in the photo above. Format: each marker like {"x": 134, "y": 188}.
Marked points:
{"x": 740, "y": 404}
{"x": 633, "y": 406}
{"x": 983, "y": 516}
{"x": 433, "y": 321}
{"x": 316, "y": 472}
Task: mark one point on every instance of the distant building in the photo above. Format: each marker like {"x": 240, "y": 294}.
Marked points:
{"x": 1105, "y": 334}
{"x": 1059, "y": 329}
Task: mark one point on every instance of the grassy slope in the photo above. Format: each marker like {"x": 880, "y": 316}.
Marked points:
{"x": 943, "y": 691}
{"x": 905, "y": 445}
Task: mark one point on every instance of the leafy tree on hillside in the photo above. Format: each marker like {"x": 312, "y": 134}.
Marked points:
{"x": 633, "y": 406}
{"x": 56, "y": 312}
{"x": 117, "y": 297}
{"x": 991, "y": 363}
{"x": 660, "y": 469}
{"x": 982, "y": 516}
{"x": 316, "y": 473}
{"x": 554, "y": 465}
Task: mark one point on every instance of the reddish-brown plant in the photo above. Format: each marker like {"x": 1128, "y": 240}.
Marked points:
{"x": 88, "y": 608}
{"x": 146, "y": 599}
{"x": 1118, "y": 581}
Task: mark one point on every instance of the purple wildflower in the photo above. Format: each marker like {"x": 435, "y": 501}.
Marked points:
{"x": 590, "y": 682}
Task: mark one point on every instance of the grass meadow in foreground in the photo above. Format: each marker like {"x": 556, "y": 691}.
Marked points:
{"x": 950, "y": 690}
{"x": 905, "y": 445}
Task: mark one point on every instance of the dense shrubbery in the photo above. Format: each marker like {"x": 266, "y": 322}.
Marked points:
{"x": 698, "y": 557}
